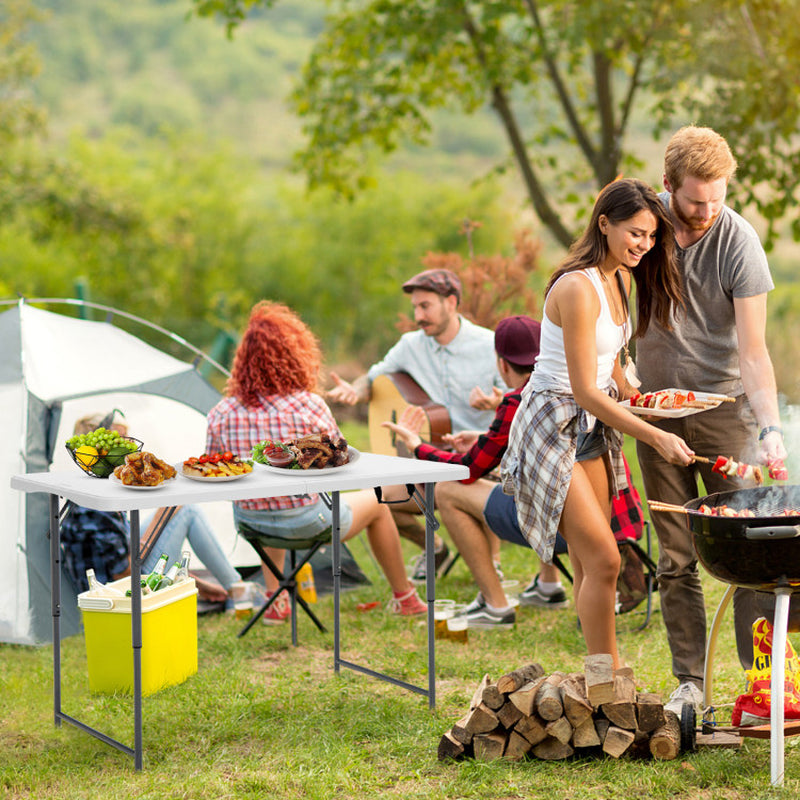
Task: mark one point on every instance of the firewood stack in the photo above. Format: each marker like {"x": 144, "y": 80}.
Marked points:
{"x": 527, "y": 714}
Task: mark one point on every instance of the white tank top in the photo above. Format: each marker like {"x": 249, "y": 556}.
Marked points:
{"x": 552, "y": 362}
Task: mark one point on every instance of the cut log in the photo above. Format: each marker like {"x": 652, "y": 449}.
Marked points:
{"x": 492, "y": 696}
{"x": 477, "y": 698}
{"x": 508, "y": 714}
{"x": 599, "y": 673}
{"x": 489, "y": 746}
{"x": 525, "y": 697}
{"x": 460, "y": 732}
{"x": 551, "y": 749}
{"x": 560, "y": 729}
{"x": 640, "y": 748}
{"x": 617, "y": 741}
{"x": 585, "y": 735}
{"x": 481, "y": 720}
{"x": 517, "y": 747}
{"x": 532, "y": 728}
{"x": 622, "y": 710}
{"x": 519, "y": 677}
{"x": 649, "y": 712}
{"x": 625, "y": 671}
{"x": 449, "y": 747}
{"x": 577, "y": 708}
{"x": 601, "y": 726}
{"x": 665, "y": 742}
{"x": 548, "y": 701}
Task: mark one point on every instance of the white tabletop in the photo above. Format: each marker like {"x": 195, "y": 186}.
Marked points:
{"x": 368, "y": 471}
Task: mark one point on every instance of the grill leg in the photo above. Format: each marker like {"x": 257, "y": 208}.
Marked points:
{"x": 711, "y": 647}
{"x": 779, "y": 627}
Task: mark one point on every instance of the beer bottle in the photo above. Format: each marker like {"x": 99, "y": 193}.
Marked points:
{"x": 100, "y": 588}
{"x": 170, "y": 577}
{"x": 156, "y": 576}
{"x": 183, "y": 571}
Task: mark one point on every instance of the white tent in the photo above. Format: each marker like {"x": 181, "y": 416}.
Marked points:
{"x": 54, "y": 369}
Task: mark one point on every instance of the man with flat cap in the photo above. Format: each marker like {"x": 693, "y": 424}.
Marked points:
{"x": 452, "y": 360}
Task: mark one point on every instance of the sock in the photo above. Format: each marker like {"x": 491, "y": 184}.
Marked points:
{"x": 549, "y": 588}
{"x": 495, "y": 610}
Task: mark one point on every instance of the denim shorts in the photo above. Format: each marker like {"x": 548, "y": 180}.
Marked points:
{"x": 500, "y": 513}
{"x": 303, "y": 522}
{"x": 591, "y": 444}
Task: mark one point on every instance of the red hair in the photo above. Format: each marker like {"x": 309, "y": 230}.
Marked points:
{"x": 278, "y": 354}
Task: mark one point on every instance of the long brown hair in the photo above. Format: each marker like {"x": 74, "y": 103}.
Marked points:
{"x": 659, "y": 288}
{"x": 278, "y": 354}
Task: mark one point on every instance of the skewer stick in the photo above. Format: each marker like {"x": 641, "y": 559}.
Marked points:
{"x": 723, "y": 398}
{"x": 656, "y": 505}
{"x": 701, "y": 459}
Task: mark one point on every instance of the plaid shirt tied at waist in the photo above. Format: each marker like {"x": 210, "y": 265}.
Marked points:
{"x": 537, "y": 466}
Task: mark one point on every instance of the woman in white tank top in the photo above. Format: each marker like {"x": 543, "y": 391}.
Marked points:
{"x": 562, "y": 480}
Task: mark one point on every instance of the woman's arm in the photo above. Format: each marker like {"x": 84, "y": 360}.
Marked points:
{"x": 574, "y": 305}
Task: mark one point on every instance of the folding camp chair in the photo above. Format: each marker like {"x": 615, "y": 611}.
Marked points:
{"x": 259, "y": 542}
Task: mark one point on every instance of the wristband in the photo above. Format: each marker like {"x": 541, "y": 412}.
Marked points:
{"x": 770, "y": 429}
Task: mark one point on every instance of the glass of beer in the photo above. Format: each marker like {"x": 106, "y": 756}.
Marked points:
{"x": 442, "y": 611}
{"x": 457, "y": 629}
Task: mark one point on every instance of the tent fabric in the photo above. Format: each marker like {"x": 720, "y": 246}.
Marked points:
{"x": 48, "y": 359}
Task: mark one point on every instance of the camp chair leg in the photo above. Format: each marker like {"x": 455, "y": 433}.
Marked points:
{"x": 287, "y": 583}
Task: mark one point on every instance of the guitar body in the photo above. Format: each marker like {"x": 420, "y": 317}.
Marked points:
{"x": 391, "y": 395}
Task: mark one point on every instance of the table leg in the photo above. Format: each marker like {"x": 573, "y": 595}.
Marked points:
{"x": 336, "y": 538}
{"x": 430, "y": 590}
{"x": 55, "y": 603}
{"x": 136, "y": 638}
{"x": 777, "y": 692}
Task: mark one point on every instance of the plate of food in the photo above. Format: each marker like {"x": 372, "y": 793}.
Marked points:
{"x": 114, "y": 479}
{"x": 143, "y": 470}
{"x": 673, "y": 403}
{"x": 316, "y": 453}
{"x": 214, "y": 468}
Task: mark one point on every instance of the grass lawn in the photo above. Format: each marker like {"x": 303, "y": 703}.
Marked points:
{"x": 262, "y": 719}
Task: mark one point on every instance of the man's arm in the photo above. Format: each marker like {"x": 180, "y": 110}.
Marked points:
{"x": 758, "y": 375}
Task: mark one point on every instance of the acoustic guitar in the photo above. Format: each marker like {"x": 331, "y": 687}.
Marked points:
{"x": 392, "y": 393}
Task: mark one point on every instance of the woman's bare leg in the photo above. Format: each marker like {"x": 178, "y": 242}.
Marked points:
{"x": 594, "y": 555}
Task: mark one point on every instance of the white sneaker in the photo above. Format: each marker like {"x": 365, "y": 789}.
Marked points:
{"x": 686, "y": 694}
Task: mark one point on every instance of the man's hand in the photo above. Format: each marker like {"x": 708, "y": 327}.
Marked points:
{"x": 343, "y": 392}
{"x": 461, "y": 441}
{"x": 485, "y": 402}
{"x": 772, "y": 448}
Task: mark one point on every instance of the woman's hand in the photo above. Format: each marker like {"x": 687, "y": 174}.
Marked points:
{"x": 673, "y": 449}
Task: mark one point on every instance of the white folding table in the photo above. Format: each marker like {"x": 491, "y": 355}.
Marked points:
{"x": 369, "y": 471}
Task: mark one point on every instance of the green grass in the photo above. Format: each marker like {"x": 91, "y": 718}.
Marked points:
{"x": 263, "y": 719}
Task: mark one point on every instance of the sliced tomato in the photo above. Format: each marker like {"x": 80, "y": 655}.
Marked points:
{"x": 204, "y": 459}
{"x": 690, "y": 396}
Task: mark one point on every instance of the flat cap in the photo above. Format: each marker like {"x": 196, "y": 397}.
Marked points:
{"x": 442, "y": 281}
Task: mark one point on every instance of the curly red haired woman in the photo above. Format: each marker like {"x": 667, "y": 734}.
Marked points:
{"x": 271, "y": 395}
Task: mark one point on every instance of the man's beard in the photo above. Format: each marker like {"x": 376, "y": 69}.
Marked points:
{"x": 692, "y": 223}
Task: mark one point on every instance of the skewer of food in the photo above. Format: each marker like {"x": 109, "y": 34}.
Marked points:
{"x": 727, "y": 467}
{"x": 676, "y": 399}
{"x": 718, "y": 511}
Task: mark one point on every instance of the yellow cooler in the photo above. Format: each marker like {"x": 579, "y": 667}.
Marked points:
{"x": 169, "y": 637}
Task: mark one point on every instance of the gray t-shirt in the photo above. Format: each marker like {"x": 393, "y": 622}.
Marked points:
{"x": 701, "y": 350}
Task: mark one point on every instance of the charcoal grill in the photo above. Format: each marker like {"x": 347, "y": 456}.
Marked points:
{"x": 761, "y": 552}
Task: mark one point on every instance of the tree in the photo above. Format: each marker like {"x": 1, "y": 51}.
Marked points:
{"x": 567, "y": 81}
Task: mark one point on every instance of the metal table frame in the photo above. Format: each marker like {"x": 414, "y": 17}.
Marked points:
{"x": 370, "y": 471}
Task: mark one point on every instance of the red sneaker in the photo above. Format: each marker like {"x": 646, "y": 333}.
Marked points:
{"x": 279, "y": 611}
{"x": 408, "y": 604}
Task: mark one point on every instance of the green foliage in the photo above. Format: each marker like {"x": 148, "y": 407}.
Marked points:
{"x": 566, "y": 81}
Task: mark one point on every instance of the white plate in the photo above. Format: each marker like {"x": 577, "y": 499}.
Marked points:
{"x": 714, "y": 401}
{"x": 114, "y": 479}
{"x": 210, "y": 478}
{"x": 352, "y": 452}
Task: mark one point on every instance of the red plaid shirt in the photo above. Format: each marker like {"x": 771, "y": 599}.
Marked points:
{"x": 488, "y": 450}
{"x": 232, "y": 426}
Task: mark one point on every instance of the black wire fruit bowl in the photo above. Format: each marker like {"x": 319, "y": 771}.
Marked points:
{"x": 99, "y": 464}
